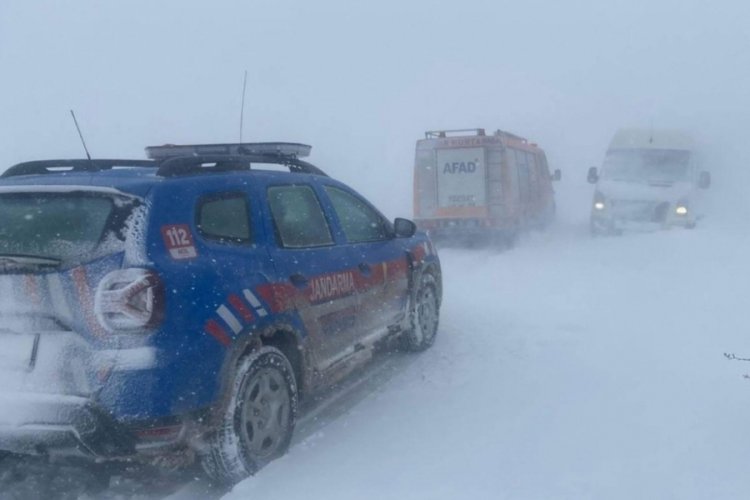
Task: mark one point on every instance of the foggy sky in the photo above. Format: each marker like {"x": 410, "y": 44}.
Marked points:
{"x": 362, "y": 81}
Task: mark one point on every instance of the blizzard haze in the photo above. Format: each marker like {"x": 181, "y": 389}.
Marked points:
{"x": 565, "y": 368}
{"x": 361, "y": 82}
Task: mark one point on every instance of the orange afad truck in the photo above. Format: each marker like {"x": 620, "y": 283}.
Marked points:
{"x": 471, "y": 187}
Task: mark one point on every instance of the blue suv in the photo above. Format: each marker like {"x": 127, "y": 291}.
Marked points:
{"x": 184, "y": 305}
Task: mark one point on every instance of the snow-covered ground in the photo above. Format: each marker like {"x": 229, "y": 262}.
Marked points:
{"x": 566, "y": 368}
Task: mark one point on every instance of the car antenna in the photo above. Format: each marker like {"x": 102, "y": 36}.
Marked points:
{"x": 80, "y": 135}
{"x": 242, "y": 106}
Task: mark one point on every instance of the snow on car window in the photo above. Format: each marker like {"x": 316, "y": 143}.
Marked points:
{"x": 56, "y": 226}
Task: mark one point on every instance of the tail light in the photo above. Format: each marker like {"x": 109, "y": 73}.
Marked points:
{"x": 159, "y": 434}
{"x": 129, "y": 300}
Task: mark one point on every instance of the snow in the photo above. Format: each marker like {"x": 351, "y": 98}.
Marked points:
{"x": 136, "y": 358}
{"x": 569, "y": 367}
{"x": 66, "y": 188}
{"x": 566, "y": 368}
{"x": 60, "y": 367}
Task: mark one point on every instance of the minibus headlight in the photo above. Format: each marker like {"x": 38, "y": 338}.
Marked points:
{"x": 599, "y": 204}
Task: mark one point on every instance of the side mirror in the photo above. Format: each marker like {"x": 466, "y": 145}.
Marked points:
{"x": 704, "y": 180}
{"x": 593, "y": 175}
{"x": 404, "y": 228}
{"x": 557, "y": 175}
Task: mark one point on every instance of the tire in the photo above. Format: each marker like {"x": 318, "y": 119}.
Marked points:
{"x": 595, "y": 230}
{"x": 258, "y": 422}
{"x": 425, "y": 316}
{"x": 511, "y": 238}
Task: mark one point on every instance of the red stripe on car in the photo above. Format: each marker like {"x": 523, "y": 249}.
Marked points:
{"x": 86, "y": 300}
{"x": 241, "y": 308}
{"x": 31, "y": 287}
{"x": 278, "y": 296}
{"x": 217, "y": 332}
{"x": 419, "y": 253}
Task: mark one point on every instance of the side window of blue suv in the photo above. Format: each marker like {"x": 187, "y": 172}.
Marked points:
{"x": 224, "y": 218}
{"x": 298, "y": 217}
{"x": 359, "y": 221}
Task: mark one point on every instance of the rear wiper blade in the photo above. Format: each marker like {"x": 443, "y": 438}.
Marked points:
{"x": 19, "y": 261}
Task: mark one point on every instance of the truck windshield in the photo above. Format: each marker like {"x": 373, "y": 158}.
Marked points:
{"x": 61, "y": 226}
{"x": 646, "y": 165}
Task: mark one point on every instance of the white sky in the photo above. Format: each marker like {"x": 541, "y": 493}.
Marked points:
{"x": 362, "y": 81}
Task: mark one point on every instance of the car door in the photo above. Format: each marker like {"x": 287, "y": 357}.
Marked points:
{"x": 308, "y": 257}
{"x": 380, "y": 259}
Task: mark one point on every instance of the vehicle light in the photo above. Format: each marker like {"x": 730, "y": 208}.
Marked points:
{"x": 247, "y": 148}
{"x": 598, "y": 205}
{"x": 681, "y": 210}
{"x": 167, "y": 433}
{"x": 129, "y": 300}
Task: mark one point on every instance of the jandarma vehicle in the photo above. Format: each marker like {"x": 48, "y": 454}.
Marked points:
{"x": 184, "y": 305}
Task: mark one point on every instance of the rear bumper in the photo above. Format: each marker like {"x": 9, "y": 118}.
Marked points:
{"x": 466, "y": 230}
{"x": 37, "y": 423}
{"x": 59, "y": 396}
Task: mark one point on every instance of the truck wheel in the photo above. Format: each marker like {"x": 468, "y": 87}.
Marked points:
{"x": 258, "y": 422}
{"x": 510, "y": 238}
{"x": 425, "y": 315}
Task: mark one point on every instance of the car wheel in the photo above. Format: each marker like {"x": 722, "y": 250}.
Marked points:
{"x": 595, "y": 229}
{"x": 258, "y": 422}
{"x": 425, "y": 316}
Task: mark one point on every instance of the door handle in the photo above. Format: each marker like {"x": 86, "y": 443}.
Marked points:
{"x": 364, "y": 268}
{"x": 298, "y": 280}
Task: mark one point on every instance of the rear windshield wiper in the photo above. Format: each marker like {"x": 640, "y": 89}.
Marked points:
{"x": 14, "y": 262}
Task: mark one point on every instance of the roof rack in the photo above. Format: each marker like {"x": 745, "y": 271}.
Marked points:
{"x": 281, "y": 149}
{"x": 176, "y": 160}
{"x": 41, "y": 167}
{"x": 442, "y": 134}
{"x": 191, "y": 165}
{"x": 509, "y": 135}
{"x": 190, "y": 159}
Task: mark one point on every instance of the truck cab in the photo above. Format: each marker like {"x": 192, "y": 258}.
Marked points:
{"x": 650, "y": 179}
